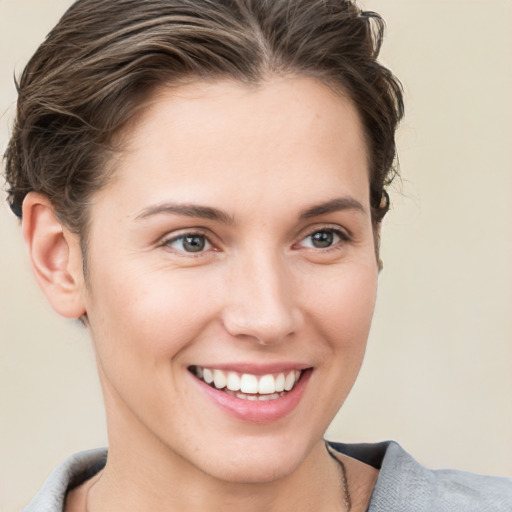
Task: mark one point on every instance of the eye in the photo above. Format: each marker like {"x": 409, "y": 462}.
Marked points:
{"x": 189, "y": 242}
{"x": 323, "y": 238}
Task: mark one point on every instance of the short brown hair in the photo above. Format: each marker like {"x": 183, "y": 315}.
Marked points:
{"x": 104, "y": 57}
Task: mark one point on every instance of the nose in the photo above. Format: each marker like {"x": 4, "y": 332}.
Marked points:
{"x": 261, "y": 302}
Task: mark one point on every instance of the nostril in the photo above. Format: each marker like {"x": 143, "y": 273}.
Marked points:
{"x": 263, "y": 328}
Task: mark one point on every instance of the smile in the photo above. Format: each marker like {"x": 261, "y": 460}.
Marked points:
{"x": 247, "y": 386}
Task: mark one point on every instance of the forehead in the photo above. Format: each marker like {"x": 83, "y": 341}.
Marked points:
{"x": 286, "y": 134}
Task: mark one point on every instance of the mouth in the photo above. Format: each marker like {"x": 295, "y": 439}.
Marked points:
{"x": 247, "y": 386}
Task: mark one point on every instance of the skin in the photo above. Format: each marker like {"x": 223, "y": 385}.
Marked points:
{"x": 259, "y": 293}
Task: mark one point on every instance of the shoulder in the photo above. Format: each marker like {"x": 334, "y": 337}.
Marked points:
{"x": 472, "y": 492}
{"x": 404, "y": 485}
{"x": 72, "y": 472}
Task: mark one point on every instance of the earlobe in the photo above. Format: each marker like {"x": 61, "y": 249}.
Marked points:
{"x": 55, "y": 256}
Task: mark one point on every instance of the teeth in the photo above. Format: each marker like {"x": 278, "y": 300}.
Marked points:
{"x": 249, "y": 386}
{"x": 289, "y": 381}
{"x": 280, "y": 382}
{"x": 207, "y": 376}
{"x": 267, "y": 385}
{"x": 249, "y": 383}
{"x": 219, "y": 379}
{"x": 259, "y": 398}
{"x": 265, "y": 398}
{"x": 233, "y": 381}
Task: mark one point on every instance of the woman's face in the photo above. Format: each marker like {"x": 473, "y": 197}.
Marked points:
{"x": 235, "y": 242}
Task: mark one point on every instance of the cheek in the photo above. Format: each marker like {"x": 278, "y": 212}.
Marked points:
{"x": 341, "y": 305}
{"x": 141, "y": 324}
{"x": 344, "y": 305}
{"x": 141, "y": 318}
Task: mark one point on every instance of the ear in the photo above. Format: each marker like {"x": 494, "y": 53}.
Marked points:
{"x": 55, "y": 256}
{"x": 377, "y": 229}
{"x": 381, "y": 263}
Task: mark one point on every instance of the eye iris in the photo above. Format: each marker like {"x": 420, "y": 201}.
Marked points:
{"x": 322, "y": 239}
{"x": 193, "y": 243}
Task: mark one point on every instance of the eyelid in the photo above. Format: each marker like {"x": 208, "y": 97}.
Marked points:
{"x": 169, "y": 238}
{"x": 173, "y": 235}
{"x": 343, "y": 233}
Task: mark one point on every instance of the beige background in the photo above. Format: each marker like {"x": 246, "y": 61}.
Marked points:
{"x": 438, "y": 375}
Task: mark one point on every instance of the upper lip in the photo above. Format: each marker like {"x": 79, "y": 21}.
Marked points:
{"x": 254, "y": 368}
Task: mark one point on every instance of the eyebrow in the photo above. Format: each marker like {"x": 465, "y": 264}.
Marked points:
{"x": 210, "y": 213}
{"x": 188, "y": 210}
{"x": 334, "y": 205}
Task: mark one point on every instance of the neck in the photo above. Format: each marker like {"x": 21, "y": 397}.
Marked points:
{"x": 143, "y": 473}
{"x": 133, "y": 481}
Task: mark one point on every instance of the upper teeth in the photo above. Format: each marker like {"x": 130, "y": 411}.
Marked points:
{"x": 247, "y": 382}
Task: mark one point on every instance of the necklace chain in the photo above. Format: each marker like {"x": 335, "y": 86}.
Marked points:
{"x": 346, "y": 491}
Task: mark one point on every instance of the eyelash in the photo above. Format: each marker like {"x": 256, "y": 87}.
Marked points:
{"x": 167, "y": 243}
{"x": 336, "y": 245}
{"x": 342, "y": 235}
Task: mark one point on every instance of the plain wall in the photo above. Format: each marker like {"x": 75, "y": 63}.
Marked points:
{"x": 438, "y": 373}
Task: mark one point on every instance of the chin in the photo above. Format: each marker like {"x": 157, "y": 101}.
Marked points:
{"x": 257, "y": 463}
{"x": 249, "y": 471}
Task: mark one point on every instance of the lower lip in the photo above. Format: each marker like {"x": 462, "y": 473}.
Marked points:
{"x": 256, "y": 411}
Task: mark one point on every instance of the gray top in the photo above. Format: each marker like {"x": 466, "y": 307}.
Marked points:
{"x": 403, "y": 484}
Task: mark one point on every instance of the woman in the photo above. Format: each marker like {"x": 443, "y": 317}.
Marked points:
{"x": 202, "y": 185}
